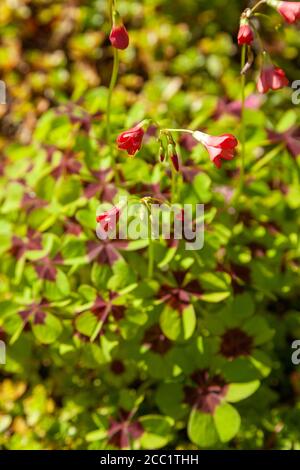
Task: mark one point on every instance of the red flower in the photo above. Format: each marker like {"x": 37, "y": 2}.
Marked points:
{"x": 109, "y": 219}
{"x": 245, "y": 35}
{"x": 119, "y": 37}
{"x": 271, "y": 78}
{"x": 219, "y": 147}
{"x": 131, "y": 140}
{"x": 290, "y": 11}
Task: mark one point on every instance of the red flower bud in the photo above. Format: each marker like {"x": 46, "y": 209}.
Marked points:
{"x": 245, "y": 35}
{"x": 131, "y": 140}
{"x": 271, "y": 78}
{"x": 119, "y": 37}
{"x": 175, "y": 161}
{"x": 219, "y": 148}
{"x": 109, "y": 219}
{"x": 290, "y": 11}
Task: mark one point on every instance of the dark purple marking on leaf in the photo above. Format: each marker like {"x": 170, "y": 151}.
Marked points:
{"x": 235, "y": 343}
{"x": 72, "y": 226}
{"x": 46, "y": 267}
{"x": 290, "y": 138}
{"x": 225, "y": 106}
{"x": 156, "y": 340}
{"x": 272, "y": 227}
{"x": 105, "y": 251}
{"x": 122, "y": 431}
{"x": 31, "y": 202}
{"x": 50, "y": 150}
{"x": 68, "y": 165}
{"x": 179, "y": 296}
{"x": 100, "y": 185}
{"x": 35, "y": 312}
{"x": 240, "y": 276}
{"x": 246, "y": 217}
{"x": 33, "y": 241}
{"x": 2, "y": 334}
{"x": 278, "y": 185}
{"x": 78, "y": 115}
{"x": 189, "y": 170}
{"x": 103, "y": 309}
{"x": 117, "y": 367}
{"x": 188, "y": 142}
{"x": 257, "y": 249}
{"x": 39, "y": 318}
{"x": 207, "y": 393}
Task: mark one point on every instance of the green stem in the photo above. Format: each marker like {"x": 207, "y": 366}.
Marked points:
{"x": 266, "y": 159}
{"x": 243, "y": 127}
{"x": 179, "y": 130}
{"x": 150, "y": 249}
{"x": 173, "y": 184}
{"x": 112, "y": 85}
{"x": 257, "y": 5}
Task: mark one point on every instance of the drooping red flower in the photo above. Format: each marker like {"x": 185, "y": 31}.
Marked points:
{"x": 245, "y": 34}
{"x": 207, "y": 393}
{"x": 119, "y": 37}
{"x": 131, "y": 140}
{"x": 271, "y": 78}
{"x": 109, "y": 219}
{"x": 175, "y": 161}
{"x": 290, "y": 11}
{"x": 219, "y": 147}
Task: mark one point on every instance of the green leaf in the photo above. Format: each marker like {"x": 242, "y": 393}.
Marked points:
{"x": 240, "y": 391}
{"x": 49, "y": 331}
{"x": 157, "y": 431}
{"x": 86, "y": 323}
{"x": 202, "y": 430}
{"x": 178, "y": 326}
{"x": 169, "y": 398}
{"x": 227, "y": 421}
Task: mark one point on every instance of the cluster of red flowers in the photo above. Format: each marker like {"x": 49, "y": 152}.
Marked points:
{"x": 271, "y": 77}
{"x": 220, "y": 147}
